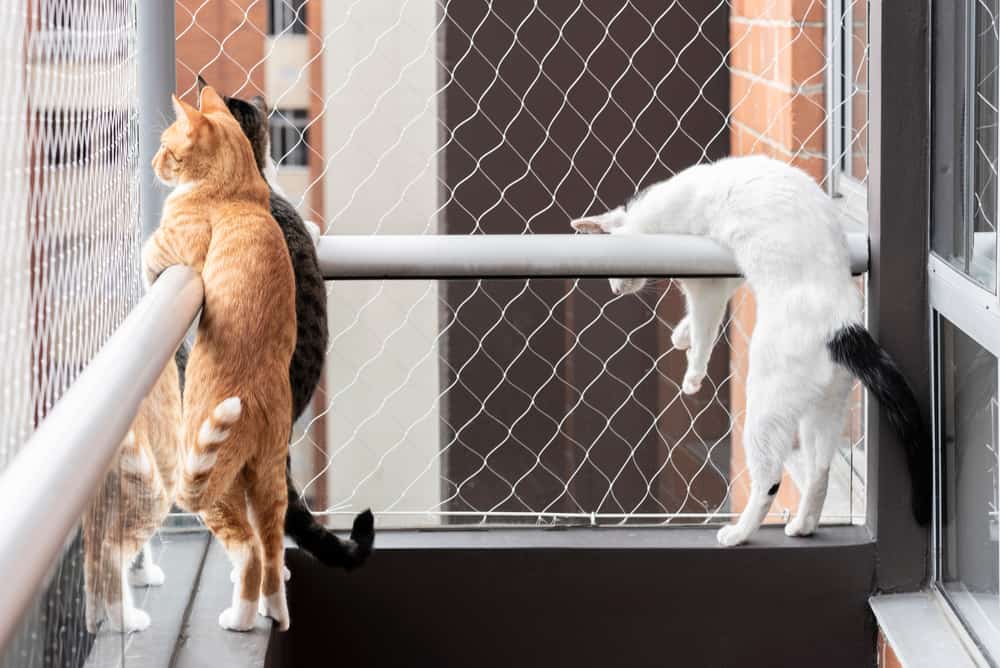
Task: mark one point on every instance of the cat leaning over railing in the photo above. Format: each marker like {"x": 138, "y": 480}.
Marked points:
{"x": 237, "y": 399}
{"x": 808, "y": 342}
{"x": 310, "y": 342}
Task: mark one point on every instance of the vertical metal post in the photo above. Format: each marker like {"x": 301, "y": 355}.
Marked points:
{"x": 157, "y": 81}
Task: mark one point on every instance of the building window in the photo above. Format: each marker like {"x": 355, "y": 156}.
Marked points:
{"x": 290, "y": 137}
{"x": 286, "y": 17}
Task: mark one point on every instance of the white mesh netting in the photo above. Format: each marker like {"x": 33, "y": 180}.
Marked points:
{"x": 533, "y": 400}
{"x": 69, "y": 241}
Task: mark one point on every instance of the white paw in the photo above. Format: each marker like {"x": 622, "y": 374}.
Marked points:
{"x": 730, "y": 535}
{"x": 681, "y": 338}
{"x": 240, "y": 617}
{"x": 800, "y": 526}
{"x": 692, "y": 383}
{"x": 234, "y": 575}
{"x": 150, "y": 575}
{"x": 275, "y": 606}
{"x": 127, "y": 620}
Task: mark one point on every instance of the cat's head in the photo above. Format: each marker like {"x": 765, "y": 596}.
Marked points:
{"x": 199, "y": 141}
{"x": 612, "y": 222}
{"x": 252, "y": 116}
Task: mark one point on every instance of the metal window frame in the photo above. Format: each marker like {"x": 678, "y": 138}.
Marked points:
{"x": 289, "y": 130}
{"x": 953, "y": 294}
{"x": 286, "y": 17}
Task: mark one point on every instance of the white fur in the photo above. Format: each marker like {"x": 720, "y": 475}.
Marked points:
{"x": 242, "y": 614}
{"x": 138, "y": 463}
{"x": 122, "y": 616}
{"x": 270, "y": 172}
{"x": 784, "y": 232}
{"x": 146, "y": 573}
{"x": 275, "y": 606}
{"x": 229, "y": 410}
{"x": 314, "y": 231}
{"x": 198, "y": 462}
{"x": 214, "y": 430}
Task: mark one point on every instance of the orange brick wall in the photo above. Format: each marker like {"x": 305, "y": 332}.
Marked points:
{"x": 224, "y": 42}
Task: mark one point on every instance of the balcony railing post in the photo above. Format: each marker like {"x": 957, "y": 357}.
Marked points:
{"x": 157, "y": 81}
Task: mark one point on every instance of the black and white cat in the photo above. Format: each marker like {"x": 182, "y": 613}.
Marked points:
{"x": 809, "y": 341}
{"x": 311, "y": 342}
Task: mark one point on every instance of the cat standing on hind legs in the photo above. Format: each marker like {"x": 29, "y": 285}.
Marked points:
{"x": 237, "y": 397}
{"x": 808, "y": 342}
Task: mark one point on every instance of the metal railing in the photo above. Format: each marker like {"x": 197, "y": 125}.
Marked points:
{"x": 73, "y": 446}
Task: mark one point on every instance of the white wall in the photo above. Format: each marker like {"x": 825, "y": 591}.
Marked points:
{"x": 380, "y": 129}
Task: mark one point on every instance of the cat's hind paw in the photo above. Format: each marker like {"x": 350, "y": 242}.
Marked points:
{"x": 275, "y": 606}
{"x": 800, "y": 525}
{"x": 240, "y": 617}
{"x": 150, "y": 575}
{"x": 127, "y": 619}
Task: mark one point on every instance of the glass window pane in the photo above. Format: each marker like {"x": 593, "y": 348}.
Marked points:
{"x": 984, "y": 159}
{"x": 965, "y": 127}
{"x": 968, "y": 461}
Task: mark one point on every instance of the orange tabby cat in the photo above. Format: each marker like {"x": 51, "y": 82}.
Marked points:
{"x": 237, "y": 398}
{"x": 129, "y": 507}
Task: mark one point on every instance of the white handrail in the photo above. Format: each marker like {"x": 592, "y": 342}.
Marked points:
{"x": 430, "y": 256}
{"x": 45, "y": 490}
{"x": 67, "y": 457}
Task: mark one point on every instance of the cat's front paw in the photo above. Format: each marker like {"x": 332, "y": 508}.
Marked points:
{"x": 240, "y": 617}
{"x": 127, "y": 620}
{"x": 731, "y": 535}
{"x": 150, "y": 575}
{"x": 681, "y": 338}
{"x": 692, "y": 383}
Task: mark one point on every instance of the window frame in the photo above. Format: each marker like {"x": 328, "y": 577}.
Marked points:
{"x": 290, "y": 15}
{"x": 282, "y": 123}
{"x": 953, "y": 294}
{"x": 841, "y": 184}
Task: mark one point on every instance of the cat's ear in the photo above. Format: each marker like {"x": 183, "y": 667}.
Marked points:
{"x": 211, "y": 101}
{"x": 259, "y": 102}
{"x": 184, "y": 110}
{"x": 602, "y": 224}
{"x": 202, "y": 84}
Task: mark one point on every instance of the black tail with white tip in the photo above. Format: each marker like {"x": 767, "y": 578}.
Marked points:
{"x": 854, "y": 348}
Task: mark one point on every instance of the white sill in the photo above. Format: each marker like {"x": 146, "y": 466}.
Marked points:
{"x": 923, "y": 632}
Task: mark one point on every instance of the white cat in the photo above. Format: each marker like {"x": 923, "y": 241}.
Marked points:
{"x": 784, "y": 233}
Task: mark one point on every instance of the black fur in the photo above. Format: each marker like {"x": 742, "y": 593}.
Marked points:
{"x": 774, "y": 489}
{"x": 310, "y": 351}
{"x": 853, "y": 348}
